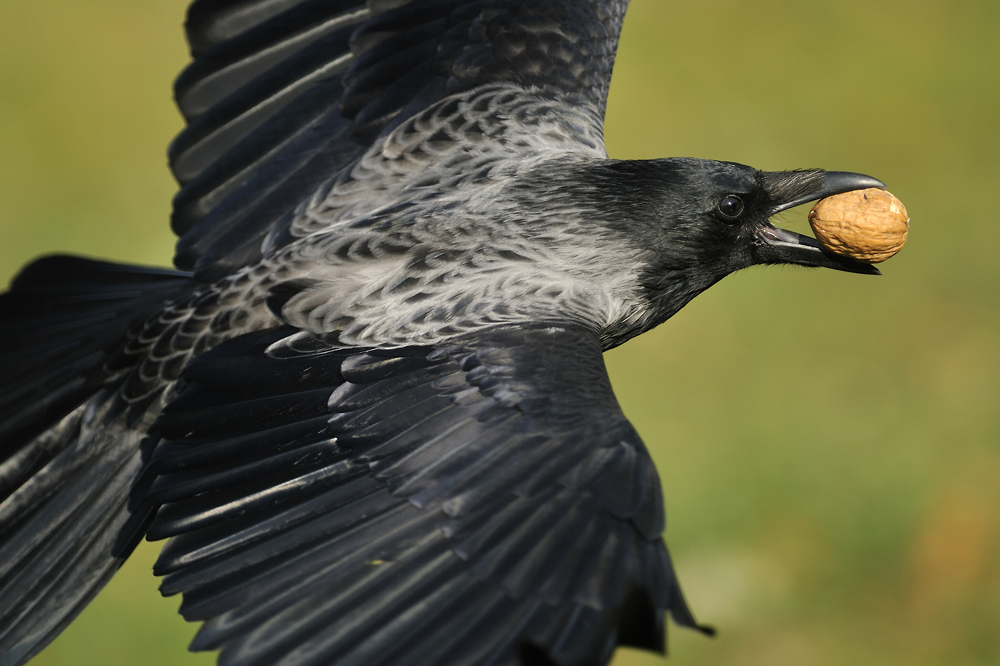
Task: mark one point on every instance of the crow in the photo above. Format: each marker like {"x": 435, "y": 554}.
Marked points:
{"x": 369, "y": 410}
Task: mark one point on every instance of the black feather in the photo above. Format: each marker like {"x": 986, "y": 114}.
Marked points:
{"x": 415, "y": 494}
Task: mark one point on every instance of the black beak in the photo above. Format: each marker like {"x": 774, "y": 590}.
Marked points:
{"x": 794, "y": 188}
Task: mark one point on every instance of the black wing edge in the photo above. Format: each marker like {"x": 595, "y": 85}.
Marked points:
{"x": 480, "y": 502}
{"x": 61, "y": 506}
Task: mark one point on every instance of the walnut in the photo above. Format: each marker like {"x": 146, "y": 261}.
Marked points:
{"x": 867, "y": 225}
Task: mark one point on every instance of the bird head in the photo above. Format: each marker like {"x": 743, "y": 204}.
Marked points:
{"x": 696, "y": 221}
{"x": 716, "y": 216}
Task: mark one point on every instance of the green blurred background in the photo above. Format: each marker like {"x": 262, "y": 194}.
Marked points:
{"x": 829, "y": 443}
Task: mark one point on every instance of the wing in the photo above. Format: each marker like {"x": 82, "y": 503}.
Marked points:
{"x": 475, "y": 503}
{"x": 285, "y": 97}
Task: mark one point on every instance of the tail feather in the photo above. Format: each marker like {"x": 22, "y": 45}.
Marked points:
{"x": 64, "y": 489}
{"x": 55, "y": 323}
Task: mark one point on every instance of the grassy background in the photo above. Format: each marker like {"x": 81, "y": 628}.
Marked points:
{"x": 829, "y": 443}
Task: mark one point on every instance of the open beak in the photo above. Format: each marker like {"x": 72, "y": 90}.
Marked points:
{"x": 780, "y": 246}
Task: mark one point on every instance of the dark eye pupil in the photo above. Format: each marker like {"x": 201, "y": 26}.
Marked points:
{"x": 731, "y": 206}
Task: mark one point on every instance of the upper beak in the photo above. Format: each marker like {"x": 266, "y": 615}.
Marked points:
{"x": 780, "y": 246}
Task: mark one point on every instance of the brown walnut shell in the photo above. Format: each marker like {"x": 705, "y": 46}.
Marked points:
{"x": 867, "y": 225}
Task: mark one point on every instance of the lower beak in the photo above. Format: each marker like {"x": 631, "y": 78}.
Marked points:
{"x": 780, "y": 246}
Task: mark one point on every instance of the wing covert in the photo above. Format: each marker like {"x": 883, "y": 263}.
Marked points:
{"x": 466, "y": 503}
{"x": 285, "y": 95}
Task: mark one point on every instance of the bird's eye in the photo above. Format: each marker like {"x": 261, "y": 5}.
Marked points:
{"x": 731, "y": 207}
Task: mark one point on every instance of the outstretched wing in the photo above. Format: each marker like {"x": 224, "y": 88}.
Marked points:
{"x": 286, "y": 95}
{"x": 480, "y": 502}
